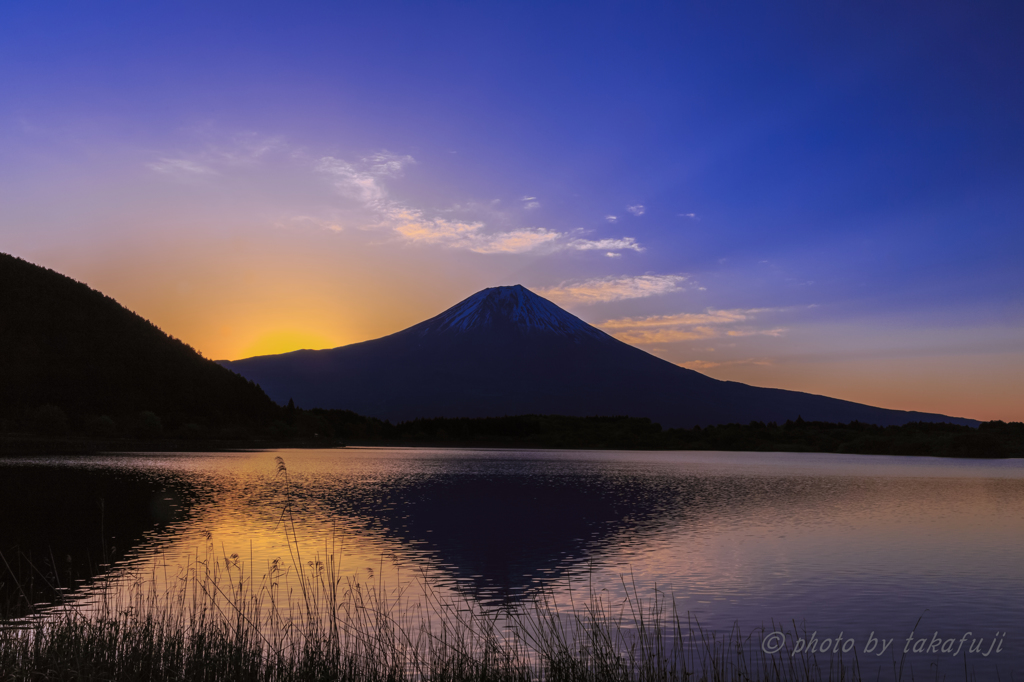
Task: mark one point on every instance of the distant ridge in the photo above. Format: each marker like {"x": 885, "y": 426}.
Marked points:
{"x": 507, "y": 351}
{"x": 65, "y": 345}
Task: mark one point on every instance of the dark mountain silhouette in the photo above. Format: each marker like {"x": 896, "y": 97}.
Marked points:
{"x": 70, "y": 350}
{"x": 507, "y": 351}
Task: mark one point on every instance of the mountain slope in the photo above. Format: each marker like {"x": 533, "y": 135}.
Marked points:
{"x": 64, "y": 344}
{"x": 506, "y": 351}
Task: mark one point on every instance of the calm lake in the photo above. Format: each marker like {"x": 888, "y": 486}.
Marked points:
{"x": 857, "y": 547}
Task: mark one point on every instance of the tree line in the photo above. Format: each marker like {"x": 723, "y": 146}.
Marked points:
{"x": 292, "y": 426}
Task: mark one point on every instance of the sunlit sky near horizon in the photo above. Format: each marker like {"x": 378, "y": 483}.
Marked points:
{"x": 814, "y": 196}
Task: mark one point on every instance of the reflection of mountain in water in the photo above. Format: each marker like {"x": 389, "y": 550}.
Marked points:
{"x": 506, "y": 533}
{"x": 501, "y": 524}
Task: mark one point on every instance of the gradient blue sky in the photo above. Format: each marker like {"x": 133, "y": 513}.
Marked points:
{"x": 819, "y": 196}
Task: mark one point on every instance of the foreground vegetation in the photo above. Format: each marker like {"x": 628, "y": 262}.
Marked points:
{"x": 215, "y": 621}
{"x": 220, "y": 627}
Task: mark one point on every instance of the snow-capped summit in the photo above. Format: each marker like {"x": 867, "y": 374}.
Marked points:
{"x": 508, "y": 308}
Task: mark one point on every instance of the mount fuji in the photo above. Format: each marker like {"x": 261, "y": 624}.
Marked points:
{"x": 508, "y": 351}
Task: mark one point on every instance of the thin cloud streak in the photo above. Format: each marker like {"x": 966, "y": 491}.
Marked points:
{"x": 181, "y": 167}
{"x": 304, "y": 220}
{"x": 690, "y": 326}
{"x": 363, "y": 184}
{"x": 626, "y": 243}
{"x": 608, "y": 289}
{"x": 756, "y": 332}
{"x": 706, "y": 364}
{"x": 688, "y": 319}
{"x": 242, "y": 150}
{"x": 415, "y": 228}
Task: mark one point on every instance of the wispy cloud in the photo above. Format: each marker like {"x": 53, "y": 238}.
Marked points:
{"x": 315, "y": 221}
{"x": 364, "y": 182}
{"x": 247, "y": 149}
{"x": 689, "y": 319}
{"x": 413, "y": 225}
{"x": 690, "y": 326}
{"x": 626, "y": 243}
{"x": 244, "y": 149}
{"x": 638, "y": 209}
{"x": 707, "y": 364}
{"x": 384, "y": 164}
{"x": 691, "y": 216}
{"x": 415, "y": 228}
{"x": 756, "y": 332}
{"x": 181, "y": 167}
{"x": 611, "y": 218}
{"x": 614, "y": 288}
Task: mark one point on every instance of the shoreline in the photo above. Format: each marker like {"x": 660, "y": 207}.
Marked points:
{"x": 22, "y": 445}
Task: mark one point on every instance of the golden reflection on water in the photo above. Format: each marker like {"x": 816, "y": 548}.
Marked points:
{"x": 853, "y": 543}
